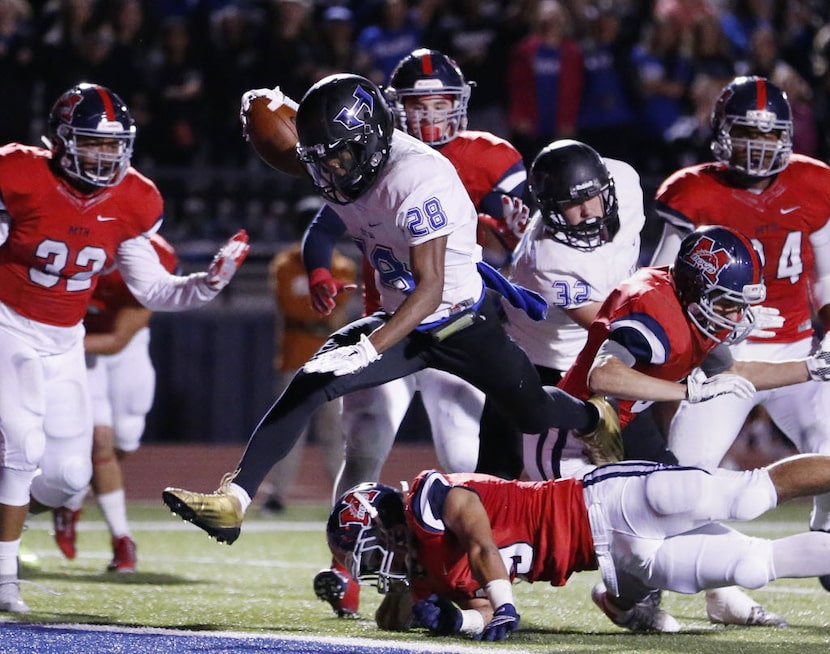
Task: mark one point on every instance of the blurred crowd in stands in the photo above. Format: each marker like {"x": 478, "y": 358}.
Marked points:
{"x": 634, "y": 78}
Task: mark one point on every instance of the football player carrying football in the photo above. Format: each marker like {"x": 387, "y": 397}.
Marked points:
{"x": 67, "y": 214}
{"x": 781, "y": 201}
{"x": 406, "y": 208}
{"x": 428, "y": 95}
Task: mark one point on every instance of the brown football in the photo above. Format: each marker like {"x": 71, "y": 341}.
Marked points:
{"x": 273, "y": 135}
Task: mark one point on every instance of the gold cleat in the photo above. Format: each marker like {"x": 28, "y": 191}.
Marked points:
{"x": 604, "y": 444}
{"x": 219, "y": 513}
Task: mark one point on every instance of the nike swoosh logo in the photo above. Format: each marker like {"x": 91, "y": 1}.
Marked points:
{"x": 784, "y": 212}
{"x": 373, "y": 224}
{"x": 105, "y": 219}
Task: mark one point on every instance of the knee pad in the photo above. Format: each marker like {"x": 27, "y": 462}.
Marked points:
{"x": 757, "y": 497}
{"x": 666, "y": 494}
{"x": 754, "y": 568}
{"x": 128, "y": 432}
{"x": 15, "y": 486}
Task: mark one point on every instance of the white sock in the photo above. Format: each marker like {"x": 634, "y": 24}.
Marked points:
{"x": 242, "y": 496}
{"x": 8, "y": 557}
{"x": 114, "y": 507}
{"x": 802, "y": 555}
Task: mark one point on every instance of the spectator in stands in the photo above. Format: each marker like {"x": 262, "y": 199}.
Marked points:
{"x": 177, "y": 98}
{"x": 664, "y": 74}
{"x": 544, "y": 82}
{"x": 607, "y": 111}
{"x": 380, "y": 46}
{"x": 17, "y": 69}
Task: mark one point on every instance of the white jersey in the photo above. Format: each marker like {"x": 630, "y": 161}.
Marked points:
{"x": 417, "y": 197}
{"x": 569, "y": 278}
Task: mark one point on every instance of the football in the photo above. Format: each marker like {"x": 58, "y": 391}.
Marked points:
{"x": 273, "y": 135}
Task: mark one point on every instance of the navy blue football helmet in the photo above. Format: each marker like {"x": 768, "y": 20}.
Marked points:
{"x": 425, "y": 72}
{"x": 344, "y": 130}
{"x": 718, "y": 267}
{"x": 757, "y": 103}
{"x": 367, "y": 533}
{"x": 87, "y": 113}
{"x": 566, "y": 173}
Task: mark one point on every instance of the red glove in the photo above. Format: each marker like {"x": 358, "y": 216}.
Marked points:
{"x": 323, "y": 288}
{"x": 227, "y": 260}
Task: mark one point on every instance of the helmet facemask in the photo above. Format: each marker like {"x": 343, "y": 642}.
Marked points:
{"x": 367, "y": 533}
{"x": 710, "y": 312}
{"x": 339, "y": 171}
{"x": 754, "y": 157}
{"x": 430, "y": 125}
{"x": 590, "y": 233}
{"x": 379, "y": 558}
{"x": 748, "y": 111}
{"x": 100, "y": 164}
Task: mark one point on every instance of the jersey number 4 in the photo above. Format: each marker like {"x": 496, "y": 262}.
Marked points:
{"x": 790, "y": 264}
{"x": 55, "y": 255}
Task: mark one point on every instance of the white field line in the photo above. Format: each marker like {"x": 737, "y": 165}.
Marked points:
{"x": 368, "y": 644}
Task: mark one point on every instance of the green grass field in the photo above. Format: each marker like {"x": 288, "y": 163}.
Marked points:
{"x": 262, "y": 584}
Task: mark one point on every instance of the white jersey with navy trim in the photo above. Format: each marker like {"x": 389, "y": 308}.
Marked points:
{"x": 568, "y": 278}
{"x": 417, "y": 197}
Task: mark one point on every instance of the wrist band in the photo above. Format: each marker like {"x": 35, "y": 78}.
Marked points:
{"x": 500, "y": 591}
{"x": 472, "y": 623}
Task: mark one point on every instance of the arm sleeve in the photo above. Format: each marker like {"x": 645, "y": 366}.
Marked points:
{"x": 153, "y": 286}
{"x": 5, "y": 222}
{"x": 675, "y": 227}
{"x": 320, "y": 237}
{"x": 820, "y": 240}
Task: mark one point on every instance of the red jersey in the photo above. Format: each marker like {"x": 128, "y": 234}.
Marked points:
{"x": 644, "y": 315}
{"x": 540, "y": 528}
{"x": 111, "y": 293}
{"x": 779, "y": 221}
{"x": 486, "y": 164}
{"x": 60, "y": 240}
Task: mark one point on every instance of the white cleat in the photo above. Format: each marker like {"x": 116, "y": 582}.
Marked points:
{"x": 733, "y": 606}
{"x": 644, "y": 616}
{"x": 10, "y": 601}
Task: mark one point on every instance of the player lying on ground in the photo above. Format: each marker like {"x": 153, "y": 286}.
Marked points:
{"x": 444, "y": 553}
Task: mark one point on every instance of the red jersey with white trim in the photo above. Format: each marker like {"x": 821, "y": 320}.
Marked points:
{"x": 60, "y": 240}
{"x": 779, "y": 220}
{"x": 484, "y": 162}
{"x": 644, "y": 315}
{"x": 111, "y": 293}
{"x": 540, "y": 528}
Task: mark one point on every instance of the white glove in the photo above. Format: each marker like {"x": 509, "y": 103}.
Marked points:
{"x": 700, "y": 388}
{"x": 276, "y": 99}
{"x": 819, "y": 363}
{"x": 767, "y": 319}
{"x": 344, "y": 360}
{"x": 227, "y": 260}
{"x": 516, "y": 214}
